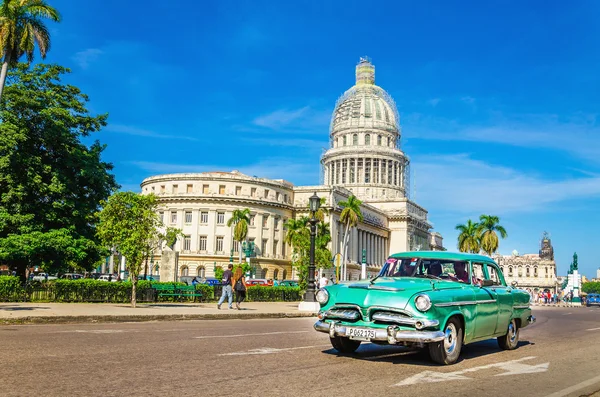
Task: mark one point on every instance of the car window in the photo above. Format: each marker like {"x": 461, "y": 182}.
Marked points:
{"x": 493, "y": 274}
{"x": 478, "y": 274}
{"x": 424, "y": 267}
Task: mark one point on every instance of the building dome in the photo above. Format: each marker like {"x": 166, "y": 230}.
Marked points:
{"x": 365, "y": 105}
{"x": 364, "y": 154}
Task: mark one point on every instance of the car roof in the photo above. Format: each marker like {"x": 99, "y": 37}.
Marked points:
{"x": 456, "y": 256}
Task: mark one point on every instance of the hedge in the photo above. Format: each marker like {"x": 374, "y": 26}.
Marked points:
{"x": 88, "y": 290}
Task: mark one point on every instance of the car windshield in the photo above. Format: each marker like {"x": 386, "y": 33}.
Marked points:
{"x": 427, "y": 268}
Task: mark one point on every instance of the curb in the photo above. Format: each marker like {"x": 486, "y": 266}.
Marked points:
{"x": 550, "y": 305}
{"x": 146, "y": 318}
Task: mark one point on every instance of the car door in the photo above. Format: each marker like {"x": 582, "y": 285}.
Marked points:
{"x": 503, "y": 297}
{"x": 486, "y": 316}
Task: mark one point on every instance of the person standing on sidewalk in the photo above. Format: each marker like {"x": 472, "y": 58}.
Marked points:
{"x": 239, "y": 285}
{"x": 227, "y": 290}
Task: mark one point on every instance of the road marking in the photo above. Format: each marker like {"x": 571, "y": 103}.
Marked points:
{"x": 268, "y": 350}
{"x": 97, "y": 331}
{"x": 569, "y": 390}
{"x": 593, "y": 329}
{"x": 265, "y": 333}
{"x": 566, "y": 314}
{"x": 514, "y": 367}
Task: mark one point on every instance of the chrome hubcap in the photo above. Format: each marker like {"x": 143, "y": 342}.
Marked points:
{"x": 512, "y": 335}
{"x": 450, "y": 340}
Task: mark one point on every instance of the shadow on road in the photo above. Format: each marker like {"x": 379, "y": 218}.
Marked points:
{"x": 20, "y": 308}
{"x": 404, "y": 355}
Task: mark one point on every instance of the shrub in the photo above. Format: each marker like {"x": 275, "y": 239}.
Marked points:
{"x": 259, "y": 293}
{"x": 10, "y": 289}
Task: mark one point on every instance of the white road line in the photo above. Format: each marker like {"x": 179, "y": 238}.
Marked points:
{"x": 569, "y": 390}
{"x": 593, "y": 329}
{"x": 235, "y": 336}
{"x": 268, "y": 350}
{"x": 97, "y": 331}
{"x": 566, "y": 314}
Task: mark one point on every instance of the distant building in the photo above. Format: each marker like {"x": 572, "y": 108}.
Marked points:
{"x": 532, "y": 272}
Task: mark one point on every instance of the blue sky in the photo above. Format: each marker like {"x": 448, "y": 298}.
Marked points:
{"x": 498, "y": 100}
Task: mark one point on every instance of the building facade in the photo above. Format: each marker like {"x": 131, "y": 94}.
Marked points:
{"x": 364, "y": 159}
{"x": 532, "y": 272}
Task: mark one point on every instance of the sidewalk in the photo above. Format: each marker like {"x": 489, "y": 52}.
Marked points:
{"x": 32, "y": 313}
{"x": 562, "y": 304}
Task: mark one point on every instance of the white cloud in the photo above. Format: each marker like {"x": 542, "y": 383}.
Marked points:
{"x": 272, "y": 168}
{"x": 433, "y": 102}
{"x": 131, "y": 130}
{"x": 305, "y": 119}
{"x": 86, "y": 57}
{"x": 457, "y": 183}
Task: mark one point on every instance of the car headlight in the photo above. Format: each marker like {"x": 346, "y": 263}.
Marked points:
{"x": 322, "y": 296}
{"x": 423, "y": 303}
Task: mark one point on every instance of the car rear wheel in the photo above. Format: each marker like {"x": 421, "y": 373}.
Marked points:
{"x": 344, "y": 345}
{"x": 511, "y": 339}
{"x": 448, "y": 350}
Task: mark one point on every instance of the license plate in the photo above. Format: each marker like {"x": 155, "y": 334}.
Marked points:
{"x": 360, "y": 333}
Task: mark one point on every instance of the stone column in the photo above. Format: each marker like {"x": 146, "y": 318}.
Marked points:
{"x": 111, "y": 263}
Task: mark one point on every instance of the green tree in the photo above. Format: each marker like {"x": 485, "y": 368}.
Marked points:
{"x": 469, "y": 238}
{"x": 51, "y": 184}
{"x": 488, "y": 226}
{"x": 350, "y": 216}
{"x": 21, "y": 28}
{"x": 240, "y": 219}
{"x": 128, "y": 222}
{"x": 591, "y": 287}
{"x": 170, "y": 236}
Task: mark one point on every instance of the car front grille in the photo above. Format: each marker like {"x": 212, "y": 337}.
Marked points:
{"x": 387, "y": 317}
{"x": 346, "y": 314}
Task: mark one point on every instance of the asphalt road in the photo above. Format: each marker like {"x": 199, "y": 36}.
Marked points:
{"x": 558, "y": 356}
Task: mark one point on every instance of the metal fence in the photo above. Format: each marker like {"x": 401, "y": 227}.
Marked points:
{"x": 49, "y": 294}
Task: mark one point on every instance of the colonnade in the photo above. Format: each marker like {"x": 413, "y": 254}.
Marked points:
{"x": 376, "y": 247}
{"x": 364, "y": 170}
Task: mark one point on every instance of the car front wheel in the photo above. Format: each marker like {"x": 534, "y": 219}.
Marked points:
{"x": 511, "y": 339}
{"x": 447, "y": 351}
{"x": 344, "y": 345}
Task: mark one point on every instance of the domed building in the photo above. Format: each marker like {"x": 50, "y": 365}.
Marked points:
{"x": 364, "y": 159}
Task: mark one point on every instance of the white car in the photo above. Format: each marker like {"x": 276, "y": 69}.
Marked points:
{"x": 107, "y": 277}
{"x": 43, "y": 277}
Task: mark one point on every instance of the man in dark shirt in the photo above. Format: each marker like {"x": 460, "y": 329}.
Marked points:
{"x": 227, "y": 291}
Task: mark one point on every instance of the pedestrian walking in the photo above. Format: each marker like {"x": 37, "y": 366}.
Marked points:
{"x": 323, "y": 281}
{"x": 227, "y": 290}
{"x": 239, "y": 285}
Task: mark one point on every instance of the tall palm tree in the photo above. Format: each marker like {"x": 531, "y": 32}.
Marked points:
{"x": 468, "y": 239}
{"x": 21, "y": 28}
{"x": 296, "y": 234}
{"x": 488, "y": 226}
{"x": 240, "y": 220}
{"x": 350, "y": 216}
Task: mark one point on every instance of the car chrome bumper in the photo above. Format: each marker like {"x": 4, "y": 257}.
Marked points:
{"x": 392, "y": 334}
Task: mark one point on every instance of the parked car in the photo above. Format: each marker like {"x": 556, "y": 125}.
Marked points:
{"x": 210, "y": 281}
{"x": 258, "y": 281}
{"x": 435, "y": 298}
{"x": 592, "y": 299}
{"x": 288, "y": 283}
{"x": 43, "y": 277}
{"x": 108, "y": 277}
{"x": 71, "y": 276}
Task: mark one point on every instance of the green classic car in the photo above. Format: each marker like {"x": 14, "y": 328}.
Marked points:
{"x": 436, "y": 299}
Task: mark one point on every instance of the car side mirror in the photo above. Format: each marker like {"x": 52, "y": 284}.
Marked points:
{"x": 514, "y": 284}
{"x": 487, "y": 283}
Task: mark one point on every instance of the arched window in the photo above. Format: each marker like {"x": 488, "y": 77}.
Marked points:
{"x": 379, "y": 140}
{"x": 337, "y": 142}
{"x": 535, "y": 271}
{"x": 184, "y": 270}
{"x": 527, "y": 271}
{"x": 389, "y": 142}
{"x": 355, "y": 139}
{"x": 510, "y": 271}
{"x": 520, "y": 271}
{"x": 263, "y": 273}
{"x": 201, "y": 271}
{"x": 344, "y": 140}
{"x": 284, "y": 274}
{"x": 367, "y": 139}
{"x": 275, "y": 274}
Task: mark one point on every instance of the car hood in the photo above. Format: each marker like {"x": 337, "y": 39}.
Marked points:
{"x": 387, "y": 291}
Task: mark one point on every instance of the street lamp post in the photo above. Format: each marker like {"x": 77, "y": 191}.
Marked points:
{"x": 310, "y": 303}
